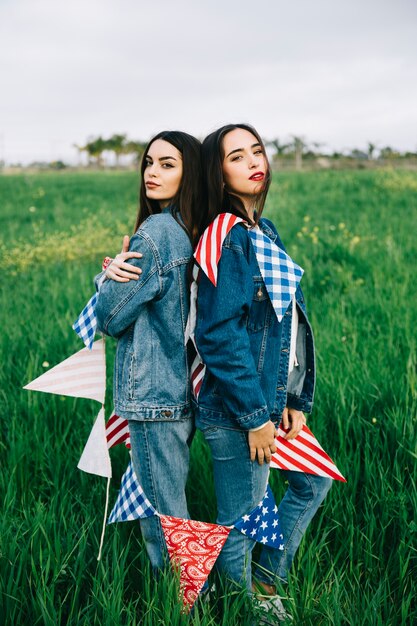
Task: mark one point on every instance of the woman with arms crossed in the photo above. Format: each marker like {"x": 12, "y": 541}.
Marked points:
{"x": 148, "y": 316}
{"x": 249, "y": 383}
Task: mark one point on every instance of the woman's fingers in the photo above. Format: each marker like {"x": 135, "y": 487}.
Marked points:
{"x": 123, "y": 256}
{"x": 125, "y": 245}
{"x": 123, "y": 274}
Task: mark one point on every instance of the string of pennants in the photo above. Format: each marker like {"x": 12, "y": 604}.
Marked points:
{"x": 193, "y": 546}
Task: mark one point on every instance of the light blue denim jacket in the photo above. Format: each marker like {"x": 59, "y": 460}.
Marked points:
{"x": 148, "y": 317}
{"x": 244, "y": 347}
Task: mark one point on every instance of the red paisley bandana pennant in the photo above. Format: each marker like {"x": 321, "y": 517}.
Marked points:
{"x": 193, "y": 548}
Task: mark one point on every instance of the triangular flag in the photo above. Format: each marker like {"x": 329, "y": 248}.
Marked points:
{"x": 209, "y": 248}
{"x": 95, "y": 458}
{"x": 117, "y": 431}
{"x": 262, "y": 524}
{"x": 193, "y": 548}
{"x": 303, "y": 454}
{"x": 86, "y": 323}
{"x": 281, "y": 275}
{"x": 82, "y": 375}
{"x": 131, "y": 502}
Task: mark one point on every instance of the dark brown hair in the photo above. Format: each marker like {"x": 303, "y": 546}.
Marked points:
{"x": 189, "y": 200}
{"x": 219, "y": 199}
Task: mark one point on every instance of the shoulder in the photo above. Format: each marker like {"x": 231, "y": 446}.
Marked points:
{"x": 269, "y": 224}
{"x": 160, "y": 224}
{"x": 165, "y": 237}
{"x": 269, "y": 228}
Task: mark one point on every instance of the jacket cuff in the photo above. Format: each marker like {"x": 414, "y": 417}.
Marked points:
{"x": 254, "y": 420}
{"x": 297, "y": 403}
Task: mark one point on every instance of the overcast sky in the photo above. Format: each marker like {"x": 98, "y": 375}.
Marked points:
{"x": 338, "y": 72}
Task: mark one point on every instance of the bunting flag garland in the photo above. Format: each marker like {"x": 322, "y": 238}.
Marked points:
{"x": 131, "y": 502}
{"x": 82, "y": 375}
{"x": 86, "y": 323}
{"x": 262, "y": 524}
{"x": 117, "y": 431}
{"x": 95, "y": 458}
{"x": 303, "y": 454}
{"x": 193, "y": 548}
{"x": 209, "y": 248}
{"x": 281, "y": 275}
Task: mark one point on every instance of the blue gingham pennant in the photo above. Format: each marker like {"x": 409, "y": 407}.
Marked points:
{"x": 131, "y": 502}
{"x": 86, "y": 323}
{"x": 262, "y": 524}
{"x": 281, "y": 275}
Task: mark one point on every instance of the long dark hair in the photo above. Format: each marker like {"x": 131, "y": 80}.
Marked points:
{"x": 219, "y": 199}
{"x": 189, "y": 199}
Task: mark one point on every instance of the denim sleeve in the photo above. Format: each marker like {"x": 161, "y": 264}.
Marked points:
{"x": 223, "y": 341}
{"x": 118, "y": 303}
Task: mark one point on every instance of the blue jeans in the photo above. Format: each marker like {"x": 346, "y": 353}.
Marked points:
{"x": 160, "y": 454}
{"x": 240, "y": 485}
{"x": 303, "y": 497}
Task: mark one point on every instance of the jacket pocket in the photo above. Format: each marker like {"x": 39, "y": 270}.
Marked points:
{"x": 259, "y": 314}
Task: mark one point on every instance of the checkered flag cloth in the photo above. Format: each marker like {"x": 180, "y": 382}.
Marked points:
{"x": 131, "y": 502}
{"x": 281, "y": 275}
{"x": 86, "y": 323}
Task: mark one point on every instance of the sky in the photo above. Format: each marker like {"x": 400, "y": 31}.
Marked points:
{"x": 340, "y": 73}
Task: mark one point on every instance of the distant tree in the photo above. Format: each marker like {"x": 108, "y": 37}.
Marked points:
{"x": 358, "y": 154}
{"x": 136, "y": 148}
{"x": 298, "y": 145}
{"x": 95, "y": 149}
{"x": 371, "y": 150}
{"x": 117, "y": 144}
{"x": 389, "y": 153}
{"x": 279, "y": 147}
{"x": 80, "y": 149}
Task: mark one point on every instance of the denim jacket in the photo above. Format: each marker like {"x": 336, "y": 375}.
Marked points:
{"x": 148, "y": 317}
{"x": 244, "y": 347}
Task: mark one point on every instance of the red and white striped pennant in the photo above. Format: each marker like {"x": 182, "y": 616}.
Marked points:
{"x": 303, "y": 454}
{"x": 117, "y": 431}
{"x": 207, "y": 255}
{"x": 209, "y": 248}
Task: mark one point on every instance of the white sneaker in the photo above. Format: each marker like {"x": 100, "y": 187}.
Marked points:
{"x": 269, "y": 610}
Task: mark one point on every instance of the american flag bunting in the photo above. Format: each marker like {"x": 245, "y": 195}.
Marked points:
{"x": 262, "y": 524}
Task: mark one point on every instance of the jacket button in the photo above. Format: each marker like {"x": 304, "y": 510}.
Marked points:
{"x": 284, "y": 350}
{"x": 280, "y": 388}
{"x": 259, "y": 293}
{"x": 167, "y": 413}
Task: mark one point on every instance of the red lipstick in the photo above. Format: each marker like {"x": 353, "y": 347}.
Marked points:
{"x": 257, "y": 176}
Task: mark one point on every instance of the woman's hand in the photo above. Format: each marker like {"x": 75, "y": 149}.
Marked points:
{"x": 119, "y": 270}
{"x": 293, "y": 419}
{"x": 262, "y": 443}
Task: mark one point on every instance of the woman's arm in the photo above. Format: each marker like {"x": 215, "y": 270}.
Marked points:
{"x": 118, "y": 302}
{"x": 119, "y": 270}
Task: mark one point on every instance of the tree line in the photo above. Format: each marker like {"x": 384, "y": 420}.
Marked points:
{"x": 296, "y": 150}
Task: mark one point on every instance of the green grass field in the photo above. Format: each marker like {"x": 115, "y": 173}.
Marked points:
{"x": 355, "y": 235}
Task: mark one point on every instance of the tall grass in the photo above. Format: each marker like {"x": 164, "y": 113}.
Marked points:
{"x": 354, "y": 233}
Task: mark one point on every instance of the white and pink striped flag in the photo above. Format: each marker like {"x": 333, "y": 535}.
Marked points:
{"x": 117, "y": 431}
{"x": 82, "y": 375}
{"x": 303, "y": 454}
{"x": 95, "y": 458}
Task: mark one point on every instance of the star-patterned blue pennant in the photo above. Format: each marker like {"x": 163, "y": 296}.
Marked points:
{"x": 262, "y": 524}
